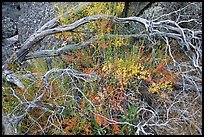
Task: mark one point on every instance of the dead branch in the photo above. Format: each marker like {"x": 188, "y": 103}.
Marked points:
{"x": 165, "y": 28}
{"x": 190, "y": 42}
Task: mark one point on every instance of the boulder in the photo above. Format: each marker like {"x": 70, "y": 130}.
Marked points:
{"x": 10, "y": 15}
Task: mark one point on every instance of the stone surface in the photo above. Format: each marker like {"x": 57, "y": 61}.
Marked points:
{"x": 154, "y": 10}
{"x": 24, "y": 18}
{"x": 33, "y": 16}
{"x": 136, "y": 8}
{"x": 159, "y": 8}
{"x": 10, "y": 15}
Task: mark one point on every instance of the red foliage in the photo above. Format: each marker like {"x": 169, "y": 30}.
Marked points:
{"x": 79, "y": 54}
{"x": 87, "y": 71}
{"x": 70, "y": 59}
{"x": 116, "y": 129}
{"x": 100, "y": 120}
{"x": 160, "y": 68}
{"x": 104, "y": 46}
{"x": 96, "y": 100}
{"x": 149, "y": 80}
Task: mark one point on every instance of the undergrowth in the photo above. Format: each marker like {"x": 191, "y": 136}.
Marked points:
{"x": 123, "y": 68}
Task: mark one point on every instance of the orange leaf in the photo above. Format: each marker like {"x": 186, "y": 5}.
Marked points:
{"x": 70, "y": 58}
{"x": 109, "y": 89}
{"x": 18, "y": 90}
{"x": 148, "y": 80}
{"x": 116, "y": 129}
{"x": 104, "y": 46}
{"x": 38, "y": 75}
{"x": 100, "y": 120}
{"x": 87, "y": 129}
{"x": 160, "y": 68}
{"x": 79, "y": 54}
{"x": 85, "y": 70}
{"x": 34, "y": 70}
{"x": 70, "y": 123}
{"x": 90, "y": 93}
{"x": 96, "y": 100}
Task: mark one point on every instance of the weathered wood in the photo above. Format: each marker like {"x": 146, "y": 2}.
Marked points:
{"x": 57, "y": 52}
{"x": 40, "y": 35}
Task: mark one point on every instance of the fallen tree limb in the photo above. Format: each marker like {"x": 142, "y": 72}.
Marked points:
{"x": 173, "y": 30}
{"x": 39, "y": 35}
{"x": 49, "y": 53}
{"x": 164, "y": 28}
{"x": 57, "y": 52}
{"x": 70, "y": 72}
{"x": 49, "y": 25}
{"x": 12, "y": 78}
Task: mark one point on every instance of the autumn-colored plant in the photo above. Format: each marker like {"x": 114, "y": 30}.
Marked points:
{"x": 124, "y": 72}
{"x": 116, "y": 129}
{"x": 101, "y": 120}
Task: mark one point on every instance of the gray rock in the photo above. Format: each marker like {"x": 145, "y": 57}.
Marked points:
{"x": 35, "y": 15}
{"x": 154, "y": 10}
{"x": 24, "y": 18}
{"x": 10, "y": 15}
{"x": 159, "y": 8}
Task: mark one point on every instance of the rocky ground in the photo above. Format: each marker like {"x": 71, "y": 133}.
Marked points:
{"x": 22, "y": 19}
{"x": 10, "y": 14}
